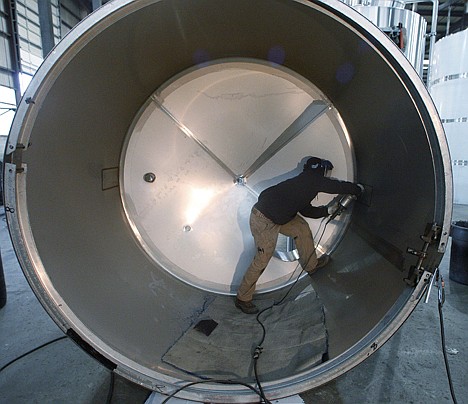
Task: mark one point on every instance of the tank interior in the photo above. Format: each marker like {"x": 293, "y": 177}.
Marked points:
{"x": 196, "y": 94}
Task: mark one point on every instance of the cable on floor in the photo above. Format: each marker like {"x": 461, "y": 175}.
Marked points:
{"x": 31, "y": 351}
{"x": 111, "y": 387}
{"x": 441, "y": 301}
{"x": 257, "y": 353}
{"x": 110, "y": 392}
{"x": 259, "y": 348}
{"x": 229, "y": 382}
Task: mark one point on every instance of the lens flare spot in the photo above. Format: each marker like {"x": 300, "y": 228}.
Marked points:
{"x": 199, "y": 199}
{"x": 277, "y": 55}
{"x": 345, "y": 73}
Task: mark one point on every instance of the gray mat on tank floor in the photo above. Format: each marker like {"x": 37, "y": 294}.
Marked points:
{"x": 221, "y": 343}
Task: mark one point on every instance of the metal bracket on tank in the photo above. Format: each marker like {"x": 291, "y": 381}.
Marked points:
{"x": 438, "y": 280}
{"x": 431, "y": 236}
{"x": 17, "y": 158}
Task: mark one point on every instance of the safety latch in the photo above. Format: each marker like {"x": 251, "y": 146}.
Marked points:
{"x": 430, "y": 236}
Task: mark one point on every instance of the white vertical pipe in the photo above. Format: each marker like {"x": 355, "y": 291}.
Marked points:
{"x": 433, "y": 33}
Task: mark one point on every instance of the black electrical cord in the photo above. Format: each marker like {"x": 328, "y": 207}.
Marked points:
{"x": 441, "y": 300}
{"x": 292, "y": 286}
{"x": 31, "y": 351}
{"x": 111, "y": 387}
{"x": 259, "y": 348}
{"x": 230, "y": 382}
{"x": 257, "y": 378}
{"x": 110, "y": 392}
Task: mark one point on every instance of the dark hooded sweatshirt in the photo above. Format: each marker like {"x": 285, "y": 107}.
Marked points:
{"x": 280, "y": 203}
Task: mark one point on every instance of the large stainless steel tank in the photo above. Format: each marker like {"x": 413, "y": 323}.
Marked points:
{"x": 448, "y": 87}
{"x": 136, "y": 154}
{"x": 405, "y": 27}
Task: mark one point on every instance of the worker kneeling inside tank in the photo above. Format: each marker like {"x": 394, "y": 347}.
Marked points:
{"x": 276, "y": 211}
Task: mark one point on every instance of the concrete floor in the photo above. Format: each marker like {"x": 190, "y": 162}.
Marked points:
{"x": 409, "y": 368}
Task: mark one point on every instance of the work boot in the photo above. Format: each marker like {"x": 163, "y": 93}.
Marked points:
{"x": 321, "y": 262}
{"x": 246, "y": 307}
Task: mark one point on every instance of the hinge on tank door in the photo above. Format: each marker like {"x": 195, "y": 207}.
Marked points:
{"x": 431, "y": 236}
{"x": 17, "y": 158}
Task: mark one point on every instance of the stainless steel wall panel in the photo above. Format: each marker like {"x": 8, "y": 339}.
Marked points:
{"x": 413, "y": 25}
{"x": 77, "y": 243}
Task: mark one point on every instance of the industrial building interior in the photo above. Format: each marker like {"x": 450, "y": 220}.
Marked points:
{"x": 107, "y": 299}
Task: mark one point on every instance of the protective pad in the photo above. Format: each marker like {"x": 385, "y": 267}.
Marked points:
{"x": 296, "y": 339}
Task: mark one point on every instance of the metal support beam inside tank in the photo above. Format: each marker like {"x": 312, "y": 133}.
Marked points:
{"x": 309, "y": 115}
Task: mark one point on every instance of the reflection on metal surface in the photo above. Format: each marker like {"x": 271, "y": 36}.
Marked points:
{"x": 129, "y": 275}
{"x": 286, "y": 248}
{"x": 190, "y": 134}
{"x": 198, "y": 200}
{"x": 149, "y": 177}
{"x": 309, "y": 115}
{"x": 406, "y": 28}
{"x": 243, "y": 117}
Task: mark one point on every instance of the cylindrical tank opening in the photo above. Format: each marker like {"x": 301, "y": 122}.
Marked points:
{"x": 132, "y": 167}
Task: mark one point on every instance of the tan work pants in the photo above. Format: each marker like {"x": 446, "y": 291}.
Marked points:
{"x": 265, "y": 234}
